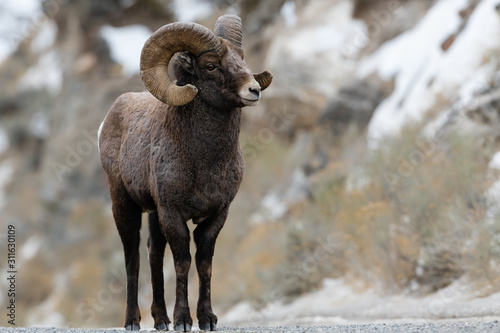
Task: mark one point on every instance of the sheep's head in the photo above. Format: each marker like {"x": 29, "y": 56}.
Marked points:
{"x": 209, "y": 64}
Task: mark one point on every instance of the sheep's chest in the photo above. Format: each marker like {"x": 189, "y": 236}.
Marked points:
{"x": 205, "y": 197}
{"x": 197, "y": 164}
{"x": 199, "y": 183}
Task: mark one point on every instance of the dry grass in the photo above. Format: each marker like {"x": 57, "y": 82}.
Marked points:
{"x": 419, "y": 220}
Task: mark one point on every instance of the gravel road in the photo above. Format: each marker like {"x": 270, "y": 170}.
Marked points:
{"x": 449, "y": 327}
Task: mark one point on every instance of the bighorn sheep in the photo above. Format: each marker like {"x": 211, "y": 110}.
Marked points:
{"x": 174, "y": 152}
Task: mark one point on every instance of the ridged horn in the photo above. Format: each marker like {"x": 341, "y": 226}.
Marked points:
{"x": 159, "y": 49}
{"x": 264, "y": 79}
{"x": 230, "y": 28}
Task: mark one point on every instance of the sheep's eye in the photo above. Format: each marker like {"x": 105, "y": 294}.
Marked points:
{"x": 210, "y": 67}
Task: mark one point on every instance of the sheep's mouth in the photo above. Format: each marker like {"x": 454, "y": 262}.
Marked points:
{"x": 250, "y": 101}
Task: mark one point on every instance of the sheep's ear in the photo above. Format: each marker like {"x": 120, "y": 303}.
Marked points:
{"x": 186, "y": 61}
{"x": 265, "y": 78}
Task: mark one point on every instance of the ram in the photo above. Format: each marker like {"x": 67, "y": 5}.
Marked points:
{"x": 174, "y": 153}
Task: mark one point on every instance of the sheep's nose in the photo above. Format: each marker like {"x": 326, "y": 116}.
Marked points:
{"x": 250, "y": 93}
{"x": 255, "y": 90}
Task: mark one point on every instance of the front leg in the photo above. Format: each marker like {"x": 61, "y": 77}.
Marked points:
{"x": 156, "y": 248}
{"x": 177, "y": 235}
{"x": 205, "y": 236}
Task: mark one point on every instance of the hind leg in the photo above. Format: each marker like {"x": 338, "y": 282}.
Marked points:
{"x": 127, "y": 216}
{"x": 156, "y": 247}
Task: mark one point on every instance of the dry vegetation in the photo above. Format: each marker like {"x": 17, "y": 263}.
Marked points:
{"x": 414, "y": 219}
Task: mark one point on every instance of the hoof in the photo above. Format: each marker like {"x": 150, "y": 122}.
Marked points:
{"x": 132, "y": 327}
{"x": 208, "y": 327}
{"x": 182, "y": 328}
{"x": 162, "y": 327}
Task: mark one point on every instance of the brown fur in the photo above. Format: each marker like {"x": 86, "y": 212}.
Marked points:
{"x": 179, "y": 164}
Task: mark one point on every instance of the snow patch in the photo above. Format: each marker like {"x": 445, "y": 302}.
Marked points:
{"x": 495, "y": 161}
{"x": 276, "y": 204}
{"x": 237, "y": 312}
{"x": 31, "y": 247}
{"x": 478, "y": 81}
{"x": 16, "y": 21}
{"x": 6, "y": 171}
{"x": 47, "y": 73}
{"x": 125, "y": 44}
{"x": 328, "y": 35}
{"x": 45, "y": 37}
{"x": 192, "y": 10}
{"x": 422, "y": 70}
{"x": 39, "y": 125}
{"x": 477, "y": 41}
{"x": 493, "y": 194}
{"x": 52, "y": 319}
{"x": 4, "y": 140}
{"x": 313, "y": 47}
{"x": 288, "y": 13}
{"x": 338, "y": 301}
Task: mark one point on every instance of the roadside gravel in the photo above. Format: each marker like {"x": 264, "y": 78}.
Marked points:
{"x": 451, "y": 327}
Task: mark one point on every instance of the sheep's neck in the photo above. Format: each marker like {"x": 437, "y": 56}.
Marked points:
{"x": 212, "y": 132}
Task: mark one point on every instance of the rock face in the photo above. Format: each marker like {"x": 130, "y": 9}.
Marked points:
{"x": 354, "y": 104}
{"x": 478, "y": 114}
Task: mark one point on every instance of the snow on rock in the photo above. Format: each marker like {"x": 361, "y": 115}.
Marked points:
{"x": 31, "y": 247}
{"x": 4, "y": 140}
{"x": 6, "y": 171}
{"x": 276, "y": 204}
{"x": 18, "y": 19}
{"x": 495, "y": 161}
{"x": 126, "y": 44}
{"x": 45, "y": 37}
{"x": 477, "y": 41}
{"x": 315, "y": 45}
{"x": 192, "y": 10}
{"x": 422, "y": 70}
{"x": 47, "y": 73}
{"x": 39, "y": 125}
{"x": 289, "y": 14}
{"x": 493, "y": 194}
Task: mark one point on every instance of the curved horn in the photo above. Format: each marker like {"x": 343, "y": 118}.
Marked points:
{"x": 159, "y": 49}
{"x": 229, "y": 27}
{"x": 264, "y": 79}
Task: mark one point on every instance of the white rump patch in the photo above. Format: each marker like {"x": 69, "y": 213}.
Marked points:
{"x": 99, "y": 135}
